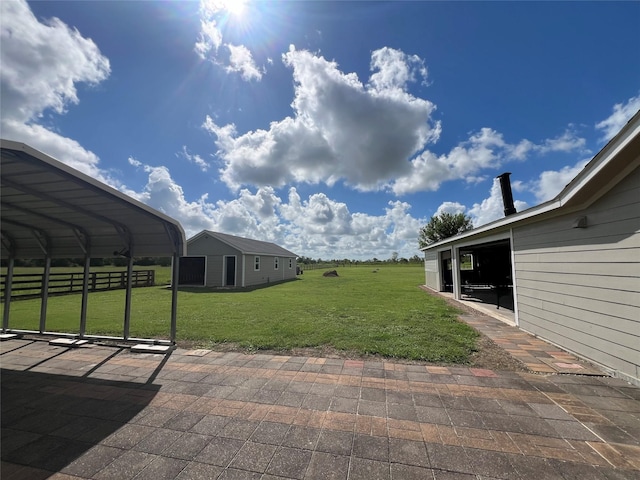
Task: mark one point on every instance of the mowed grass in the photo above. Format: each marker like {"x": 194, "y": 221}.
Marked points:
{"x": 359, "y": 311}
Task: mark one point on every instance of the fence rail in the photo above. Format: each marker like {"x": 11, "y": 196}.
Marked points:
{"x": 29, "y": 285}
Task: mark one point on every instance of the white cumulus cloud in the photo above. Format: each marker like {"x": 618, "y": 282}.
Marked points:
{"x": 551, "y": 182}
{"x": 41, "y": 65}
{"x": 486, "y": 211}
{"x": 241, "y": 60}
{"x": 316, "y": 226}
{"x": 194, "y": 158}
{"x": 164, "y": 194}
{"x": 211, "y": 38}
{"x": 622, "y": 113}
{"x": 484, "y": 150}
{"x": 450, "y": 207}
{"x": 370, "y": 135}
{"x": 492, "y": 207}
{"x": 342, "y": 129}
{"x": 567, "y": 142}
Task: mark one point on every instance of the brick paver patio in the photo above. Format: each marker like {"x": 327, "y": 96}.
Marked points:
{"x": 101, "y": 412}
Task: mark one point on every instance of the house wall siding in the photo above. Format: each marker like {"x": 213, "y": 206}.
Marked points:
{"x": 214, "y": 272}
{"x": 579, "y": 287}
{"x": 267, "y": 272}
{"x": 215, "y": 251}
{"x": 205, "y": 245}
{"x": 431, "y": 272}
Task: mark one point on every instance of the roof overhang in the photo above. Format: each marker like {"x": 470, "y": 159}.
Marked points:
{"x": 616, "y": 160}
{"x": 267, "y": 251}
{"x": 49, "y": 208}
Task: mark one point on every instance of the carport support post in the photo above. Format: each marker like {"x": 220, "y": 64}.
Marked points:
{"x": 175, "y": 277}
{"x": 85, "y": 295}
{"x": 127, "y": 298}
{"x": 45, "y": 293}
{"x": 7, "y": 294}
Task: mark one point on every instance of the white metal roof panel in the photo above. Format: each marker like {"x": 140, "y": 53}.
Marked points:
{"x": 48, "y": 206}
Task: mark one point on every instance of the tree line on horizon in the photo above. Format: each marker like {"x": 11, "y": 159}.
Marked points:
{"x": 438, "y": 228}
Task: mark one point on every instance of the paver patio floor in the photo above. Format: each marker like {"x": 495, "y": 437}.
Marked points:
{"x": 101, "y": 412}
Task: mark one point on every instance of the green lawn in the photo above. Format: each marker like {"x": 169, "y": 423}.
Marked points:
{"x": 360, "y": 311}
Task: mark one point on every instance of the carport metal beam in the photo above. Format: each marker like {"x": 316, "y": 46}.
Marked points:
{"x": 175, "y": 278}
{"x": 7, "y": 294}
{"x": 127, "y": 298}
{"x": 79, "y": 232}
{"x": 29, "y": 175}
{"x": 122, "y": 230}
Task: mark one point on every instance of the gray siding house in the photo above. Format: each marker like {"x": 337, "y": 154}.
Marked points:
{"x": 571, "y": 265}
{"x": 219, "y": 260}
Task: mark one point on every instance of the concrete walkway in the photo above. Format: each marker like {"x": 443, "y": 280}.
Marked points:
{"x": 103, "y": 413}
{"x": 536, "y": 354}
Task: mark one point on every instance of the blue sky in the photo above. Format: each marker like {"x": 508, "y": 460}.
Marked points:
{"x": 333, "y": 129}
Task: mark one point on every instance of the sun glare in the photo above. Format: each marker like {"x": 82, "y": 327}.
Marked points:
{"x": 234, "y": 7}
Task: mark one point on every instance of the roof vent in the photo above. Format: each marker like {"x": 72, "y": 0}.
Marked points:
{"x": 507, "y": 196}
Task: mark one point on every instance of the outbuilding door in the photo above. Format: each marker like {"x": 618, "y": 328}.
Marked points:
{"x": 192, "y": 271}
{"x": 230, "y": 271}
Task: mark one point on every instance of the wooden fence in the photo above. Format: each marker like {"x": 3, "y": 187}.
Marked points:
{"x": 29, "y": 285}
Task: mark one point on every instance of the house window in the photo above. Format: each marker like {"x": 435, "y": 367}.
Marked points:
{"x": 290, "y": 263}
{"x": 256, "y": 263}
{"x": 276, "y": 263}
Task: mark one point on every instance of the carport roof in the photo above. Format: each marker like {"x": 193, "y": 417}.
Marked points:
{"x": 49, "y": 207}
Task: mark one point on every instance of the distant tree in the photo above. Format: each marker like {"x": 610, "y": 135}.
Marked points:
{"x": 394, "y": 257}
{"x": 144, "y": 261}
{"x": 164, "y": 261}
{"x": 62, "y": 262}
{"x": 443, "y": 226}
{"x": 120, "y": 261}
{"x": 96, "y": 262}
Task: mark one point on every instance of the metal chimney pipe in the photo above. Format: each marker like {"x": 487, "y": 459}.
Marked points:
{"x": 507, "y": 196}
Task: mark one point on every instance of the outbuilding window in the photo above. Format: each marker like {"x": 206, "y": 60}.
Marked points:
{"x": 276, "y": 263}
{"x": 256, "y": 263}
{"x": 290, "y": 263}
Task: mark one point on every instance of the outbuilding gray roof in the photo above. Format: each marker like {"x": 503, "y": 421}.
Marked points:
{"x": 247, "y": 246}
{"x": 49, "y": 207}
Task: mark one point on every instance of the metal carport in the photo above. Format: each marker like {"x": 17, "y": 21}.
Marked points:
{"x": 51, "y": 210}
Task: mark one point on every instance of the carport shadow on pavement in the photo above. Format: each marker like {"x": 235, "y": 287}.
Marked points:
{"x": 100, "y": 413}
{"x": 49, "y": 420}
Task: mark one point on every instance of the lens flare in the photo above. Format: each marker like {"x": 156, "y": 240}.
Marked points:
{"x": 233, "y": 7}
